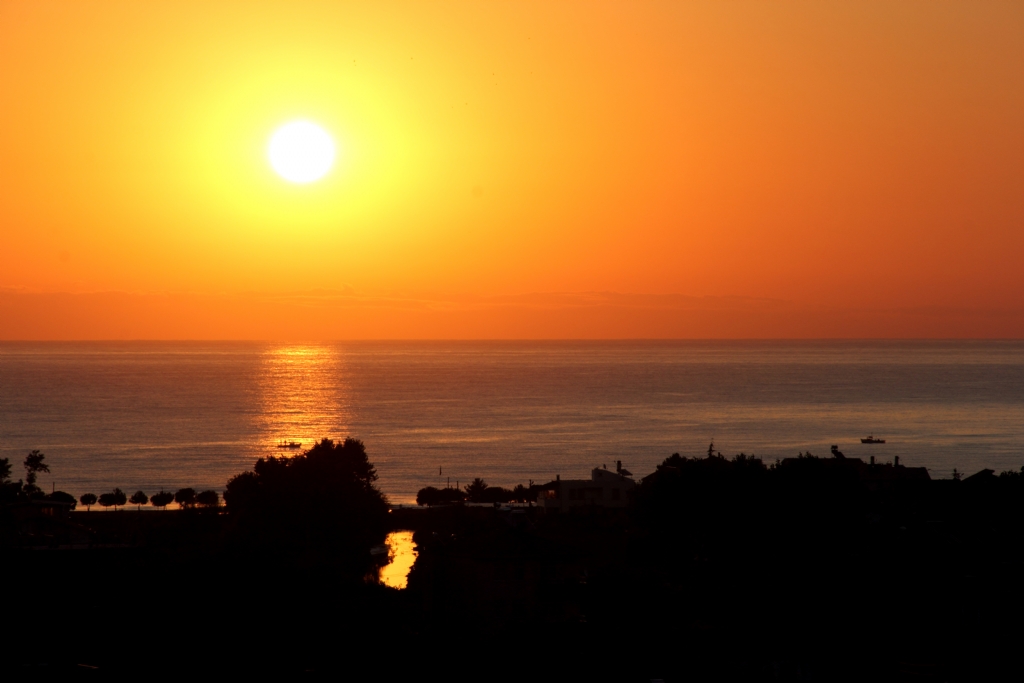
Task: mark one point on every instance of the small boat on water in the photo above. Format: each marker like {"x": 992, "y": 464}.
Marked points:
{"x": 289, "y": 444}
{"x": 872, "y": 439}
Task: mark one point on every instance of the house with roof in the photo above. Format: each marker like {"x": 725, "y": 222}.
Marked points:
{"x": 604, "y": 489}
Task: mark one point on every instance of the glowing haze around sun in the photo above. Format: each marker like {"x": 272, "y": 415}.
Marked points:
{"x": 301, "y": 152}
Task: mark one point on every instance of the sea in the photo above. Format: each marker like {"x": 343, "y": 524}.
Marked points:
{"x": 165, "y": 415}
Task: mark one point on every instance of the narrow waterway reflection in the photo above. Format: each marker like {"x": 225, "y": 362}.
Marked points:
{"x": 402, "y": 551}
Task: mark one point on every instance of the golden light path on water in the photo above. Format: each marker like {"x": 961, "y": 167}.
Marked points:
{"x": 303, "y": 398}
{"x": 402, "y": 551}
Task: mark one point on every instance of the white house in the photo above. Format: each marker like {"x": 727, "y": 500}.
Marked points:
{"x": 604, "y": 489}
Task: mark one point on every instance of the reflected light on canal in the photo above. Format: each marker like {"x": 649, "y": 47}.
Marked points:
{"x": 402, "y": 551}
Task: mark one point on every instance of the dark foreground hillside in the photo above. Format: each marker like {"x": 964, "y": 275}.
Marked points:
{"x": 748, "y": 581}
{"x": 718, "y": 570}
{"x": 166, "y": 595}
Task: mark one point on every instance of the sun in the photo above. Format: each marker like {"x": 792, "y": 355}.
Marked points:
{"x": 301, "y": 152}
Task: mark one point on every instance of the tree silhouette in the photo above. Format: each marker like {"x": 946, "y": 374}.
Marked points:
{"x": 88, "y": 500}
{"x": 435, "y": 496}
{"x": 1012, "y": 474}
{"x": 139, "y": 498}
{"x": 186, "y": 497}
{"x": 9, "y": 491}
{"x": 521, "y": 494}
{"x": 162, "y": 499}
{"x": 475, "y": 490}
{"x": 114, "y": 498}
{"x": 323, "y": 501}
{"x": 33, "y": 466}
{"x": 208, "y": 499}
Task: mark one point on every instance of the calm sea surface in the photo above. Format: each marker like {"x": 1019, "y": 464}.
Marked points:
{"x": 155, "y": 415}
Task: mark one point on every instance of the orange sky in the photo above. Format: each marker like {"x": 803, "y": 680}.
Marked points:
{"x": 716, "y": 169}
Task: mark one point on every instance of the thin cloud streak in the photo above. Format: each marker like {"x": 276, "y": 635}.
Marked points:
{"x": 347, "y": 314}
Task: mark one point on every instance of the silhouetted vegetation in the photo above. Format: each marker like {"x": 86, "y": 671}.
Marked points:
{"x": 26, "y": 489}
{"x": 33, "y": 466}
{"x": 115, "y": 499}
{"x": 208, "y": 499}
{"x": 162, "y": 499}
{"x": 139, "y": 498}
{"x": 88, "y": 500}
{"x": 720, "y": 568}
{"x": 291, "y": 546}
{"x": 9, "y": 490}
{"x": 435, "y": 496}
{"x": 477, "y": 492}
{"x": 1013, "y": 474}
{"x": 522, "y": 494}
{"x": 324, "y": 501}
{"x": 185, "y": 497}
{"x": 810, "y": 553}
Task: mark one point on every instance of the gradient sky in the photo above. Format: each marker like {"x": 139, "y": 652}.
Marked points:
{"x": 704, "y": 169}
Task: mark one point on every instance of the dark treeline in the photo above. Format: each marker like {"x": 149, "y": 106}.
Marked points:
{"x": 324, "y": 503}
{"x": 25, "y": 490}
{"x": 478, "y": 491}
{"x": 809, "y": 568}
{"x": 186, "y": 498}
{"x": 275, "y": 580}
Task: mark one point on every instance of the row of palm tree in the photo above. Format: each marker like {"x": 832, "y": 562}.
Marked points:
{"x": 186, "y": 498}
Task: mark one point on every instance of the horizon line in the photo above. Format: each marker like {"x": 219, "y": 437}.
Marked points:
{"x": 514, "y": 339}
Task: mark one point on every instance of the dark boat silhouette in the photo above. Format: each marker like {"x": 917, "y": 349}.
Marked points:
{"x": 872, "y": 439}
{"x": 289, "y": 444}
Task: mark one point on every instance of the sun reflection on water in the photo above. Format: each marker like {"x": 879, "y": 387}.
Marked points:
{"x": 402, "y": 551}
{"x": 303, "y": 398}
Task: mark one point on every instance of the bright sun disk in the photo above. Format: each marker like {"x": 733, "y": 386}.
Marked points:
{"x": 301, "y": 152}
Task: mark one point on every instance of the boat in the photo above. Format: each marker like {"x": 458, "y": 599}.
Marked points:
{"x": 289, "y": 444}
{"x": 872, "y": 439}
